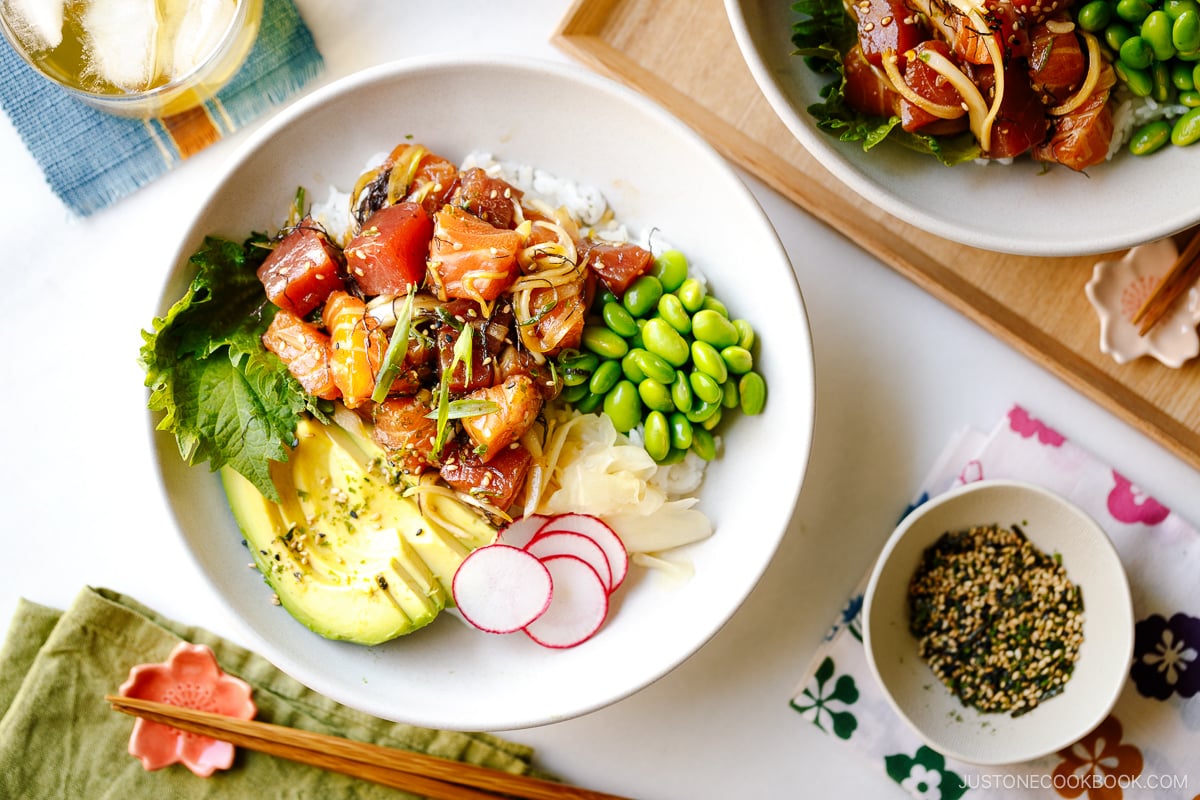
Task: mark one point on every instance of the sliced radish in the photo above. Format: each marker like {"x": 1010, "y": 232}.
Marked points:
{"x": 521, "y": 530}
{"x": 566, "y": 543}
{"x": 501, "y": 589}
{"x": 598, "y": 532}
{"x": 578, "y": 607}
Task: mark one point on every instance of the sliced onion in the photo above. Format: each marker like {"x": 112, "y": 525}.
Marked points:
{"x": 977, "y": 108}
{"x": 1089, "y": 82}
{"x": 892, "y": 68}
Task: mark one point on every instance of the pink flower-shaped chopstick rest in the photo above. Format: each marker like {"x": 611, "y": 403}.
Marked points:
{"x": 1119, "y": 288}
{"x": 190, "y": 678}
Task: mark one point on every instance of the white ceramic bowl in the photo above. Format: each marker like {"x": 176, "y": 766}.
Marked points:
{"x": 1052, "y": 524}
{"x": 1014, "y": 209}
{"x": 655, "y": 172}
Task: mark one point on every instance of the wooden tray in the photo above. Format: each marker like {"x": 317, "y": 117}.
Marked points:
{"x": 684, "y": 55}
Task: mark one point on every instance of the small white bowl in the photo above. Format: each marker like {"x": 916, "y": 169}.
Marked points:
{"x": 1052, "y": 524}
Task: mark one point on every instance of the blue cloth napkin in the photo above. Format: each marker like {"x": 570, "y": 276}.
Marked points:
{"x": 91, "y": 159}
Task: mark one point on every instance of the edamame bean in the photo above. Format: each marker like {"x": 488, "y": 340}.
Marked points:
{"x": 746, "y": 330}
{"x": 636, "y": 339}
{"x": 573, "y": 394}
{"x": 730, "y": 398}
{"x": 655, "y": 395}
{"x": 1190, "y": 98}
{"x": 753, "y": 390}
{"x": 1182, "y": 76}
{"x": 631, "y": 368}
{"x": 603, "y": 342}
{"x": 1133, "y": 11}
{"x": 705, "y": 388}
{"x": 1150, "y": 138}
{"x": 681, "y": 431}
{"x": 1157, "y": 31}
{"x": 1139, "y": 81}
{"x": 1116, "y": 34}
{"x": 692, "y": 293}
{"x": 1094, "y": 16}
{"x": 1196, "y": 75}
{"x": 671, "y": 269}
{"x": 653, "y": 366}
{"x": 657, "y": 435}
{"x": 674, "y": 456}
{"x": 605, "y": 296}
{"x": 681, "y": 392}
{"x": 702, "y": 411}
{"x": 1186, "y": 129}
{"x": 670, "y": 308}
{"x": 711, "y": 327}
{"x": 703, "y": 444}
{"x": 589, "y": 403}
{"x": 709, "y": 361}
{"x": 1176, "y": 7}
{"x": 738, "y": 359}
{"x": 663, "y": 340}
{"x": 622, "y": 406}
{"x": 1163, "y": 91}
{"x": 605, "y": 377}
{"x": 577, "y": 368}
{"x": 713, "y": 304}
{"x": 713, "y": 420}
{"x": 1185, "y": 32}
{"x": 642, "y": 295}
{"x": 1136, "y": 52}
{"x": 619, "y": 320}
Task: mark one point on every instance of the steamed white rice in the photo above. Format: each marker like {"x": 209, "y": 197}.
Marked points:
{"x": 1133, "y": 112}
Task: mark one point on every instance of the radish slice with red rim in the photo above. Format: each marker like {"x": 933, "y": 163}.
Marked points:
{"x": 567, "y": 543}
{"x": 521, "y": 530}
{"x": 501, "y": 589}
{"x": 596, "y": 530}
{"x": 578, "y": 608}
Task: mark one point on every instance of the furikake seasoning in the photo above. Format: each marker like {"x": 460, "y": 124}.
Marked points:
{"x": 997, "y": 619}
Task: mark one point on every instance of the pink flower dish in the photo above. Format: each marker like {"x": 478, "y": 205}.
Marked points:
{"x": 1118, "y": 289}
{"x": 190, "y": 678}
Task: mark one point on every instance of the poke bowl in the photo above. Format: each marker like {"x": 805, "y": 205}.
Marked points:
{"x": 649, "y": 179}
{"x": 1015, "y": 205}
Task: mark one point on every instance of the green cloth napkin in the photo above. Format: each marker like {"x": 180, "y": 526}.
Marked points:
{"x": 59, "y": 738}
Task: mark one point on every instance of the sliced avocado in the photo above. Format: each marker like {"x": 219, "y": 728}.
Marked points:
{"x": 346, "y": 553}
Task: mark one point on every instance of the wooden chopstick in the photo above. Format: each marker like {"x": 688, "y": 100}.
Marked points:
{"x": 422, "y": 774}
{"x": 1182, "y": 274}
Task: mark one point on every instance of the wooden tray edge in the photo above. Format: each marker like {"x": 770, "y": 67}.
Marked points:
{"x": 578, "y": 36}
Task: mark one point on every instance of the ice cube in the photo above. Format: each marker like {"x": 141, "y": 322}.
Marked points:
{"x": 120, "y": 37}
{"x": 38, "y": 24}
{"x": 193, "y": 30}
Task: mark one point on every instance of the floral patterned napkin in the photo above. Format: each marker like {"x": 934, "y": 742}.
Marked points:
{"x": 1149, "y": 746}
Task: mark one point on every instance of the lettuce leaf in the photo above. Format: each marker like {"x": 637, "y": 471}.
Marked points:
{"x": 822, "y": 34}
{"x": 226, "y": 399}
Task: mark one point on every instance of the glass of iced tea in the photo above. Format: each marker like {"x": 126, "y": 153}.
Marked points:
{"x": 135, "y": 58}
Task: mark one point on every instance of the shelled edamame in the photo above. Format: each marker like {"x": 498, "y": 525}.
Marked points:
{"x": 665, "y": 356}
{"x": 1155, "y": 47}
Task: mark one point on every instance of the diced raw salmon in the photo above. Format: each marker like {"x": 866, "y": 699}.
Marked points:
{"x": 358, "y": 346}
{"x": 519, "y": 403}
{"x": 305, "y": 350}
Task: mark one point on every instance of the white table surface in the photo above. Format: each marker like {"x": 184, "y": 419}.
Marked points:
{"x": 897, "y": 374}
